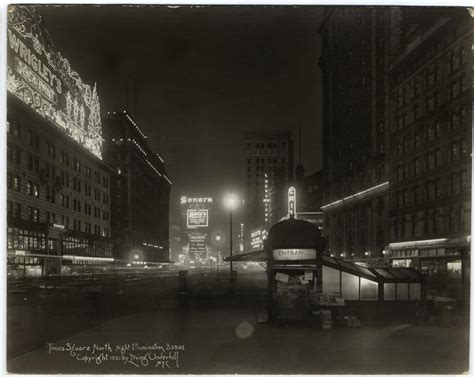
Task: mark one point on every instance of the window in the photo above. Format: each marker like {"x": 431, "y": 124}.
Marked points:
{"x": 417, "y": 166}
{"x": 368, "y": 289}
{"x": 438, "y": 188}
{"x": 17, "y": 183}
{"x": 454, "y": 152}
{"x": 10, "y": 153}
{"x": 10, "y": 180}
{"x": 431, "y": 132}
{"x": 77, "y": 165}
{"x": 34, "y": 214}
{"x": 464, "y": 150}
{"x": 416, "y": 194}
{"x": 430, "y": 161}
{"x": 17, "y": 210}
{"x": 437, "y": 157}
{"x": 463, "y": 181}
{"x": 350, "y": 286}
{"x": 455, "y": 186}
{"x": 17, "y": 153}
{"x": 454, "y": 268}
{"x": 454, "y": 121}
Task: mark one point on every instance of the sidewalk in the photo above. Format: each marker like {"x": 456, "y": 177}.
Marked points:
{"x": 221, "y": 334}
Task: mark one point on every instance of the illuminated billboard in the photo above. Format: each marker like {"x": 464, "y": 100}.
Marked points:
{"x": 42, "y": 79}
{"x": 257, "y": 237}
{"x": 197, "y": 218}
{"x": 197, "y": 242}
{"x": 185, "y": 200}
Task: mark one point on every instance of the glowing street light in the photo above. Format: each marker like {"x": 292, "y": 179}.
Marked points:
{"x": 231, "y": 202}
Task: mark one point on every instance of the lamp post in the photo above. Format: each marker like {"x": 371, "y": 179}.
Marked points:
{"x": 218, "y": 239}
{"x": 231, "y": 202}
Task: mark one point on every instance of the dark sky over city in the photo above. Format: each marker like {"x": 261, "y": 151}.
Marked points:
{"x": 202, "y": 75}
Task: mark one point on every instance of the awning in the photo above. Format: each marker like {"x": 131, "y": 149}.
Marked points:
{"x": 253, "y": 256}
{"x": 380, "y": 274}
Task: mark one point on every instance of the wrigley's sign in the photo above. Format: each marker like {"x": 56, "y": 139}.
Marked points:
{"x": 294, "y": 254}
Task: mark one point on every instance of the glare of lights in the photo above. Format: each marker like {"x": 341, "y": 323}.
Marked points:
{"x": 371, "y": 189}
{"x": 418, "y": 243}
{"x": 231, "y": 201}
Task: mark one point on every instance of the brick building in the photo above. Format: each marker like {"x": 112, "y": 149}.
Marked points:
{"x": 431, "y": 131}
{"x": 58, "y": 207}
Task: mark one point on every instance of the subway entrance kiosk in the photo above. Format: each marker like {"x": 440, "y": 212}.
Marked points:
{"x": 294, "y": 266}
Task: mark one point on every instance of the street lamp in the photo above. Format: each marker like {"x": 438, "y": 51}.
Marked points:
{"x": 218, "y": 239}
{"x": 231, "y": 202}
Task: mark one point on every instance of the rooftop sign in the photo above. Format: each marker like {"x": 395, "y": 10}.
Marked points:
{"x": 43, "y": 79}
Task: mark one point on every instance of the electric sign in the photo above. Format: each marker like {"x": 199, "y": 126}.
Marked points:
{"x": 42, "y": 79}
{"x": 291, "y": 202}
{"x": 197, "y": 218}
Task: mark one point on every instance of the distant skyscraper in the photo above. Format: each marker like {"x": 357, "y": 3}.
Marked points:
{"x": 268, "y": 161}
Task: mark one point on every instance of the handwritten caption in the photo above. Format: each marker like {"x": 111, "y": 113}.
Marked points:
{"x": 161, "y": 356}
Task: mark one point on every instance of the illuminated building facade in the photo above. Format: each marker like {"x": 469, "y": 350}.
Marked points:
{"x": 140, "y": 192}
{"x": 431, "y": 130}
{"x": 354, "y": 64}
{"x": 58, "y": 208}
{"x": 268, "y": 165}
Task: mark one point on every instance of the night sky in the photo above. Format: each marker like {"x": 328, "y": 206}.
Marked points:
{"x": 203, "y": 75}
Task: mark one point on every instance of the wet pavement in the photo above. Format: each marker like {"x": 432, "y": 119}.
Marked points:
{"x": 151, "y": 329}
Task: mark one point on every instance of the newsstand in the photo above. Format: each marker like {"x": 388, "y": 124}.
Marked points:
{"x": 294, "y": 254}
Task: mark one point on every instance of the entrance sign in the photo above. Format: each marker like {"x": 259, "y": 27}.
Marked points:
{"x": 294, "y": 254}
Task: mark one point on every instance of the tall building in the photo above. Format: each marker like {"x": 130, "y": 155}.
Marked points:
{"x": 356, "y": 51}
{"x": 431, "y": 131}
{"x": 268, "y": 165}
{"x": 140, "y": 191}
{"x": 58, "y": 208}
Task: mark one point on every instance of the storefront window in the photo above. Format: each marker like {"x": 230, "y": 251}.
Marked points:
{"x": 454, "y": 269}
{"x": 430, "y": 267}
{"x": 401, "y": 263}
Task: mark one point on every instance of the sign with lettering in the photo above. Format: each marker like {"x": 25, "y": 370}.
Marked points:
{"x": 291, "y": 202}
{"x": 197, "y": 218}
{"x": 43, "y": 80}
{"x": 186, "y": 200}
{"x": 197, "y": 242}
{"x": 294, "y": 254}
{"x": 257, "y": 237}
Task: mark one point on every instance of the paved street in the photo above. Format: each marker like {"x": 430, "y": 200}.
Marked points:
{"x": 219, "y": 334}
